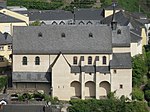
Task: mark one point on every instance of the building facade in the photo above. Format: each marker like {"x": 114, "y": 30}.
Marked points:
{"x": 73, "y": 61}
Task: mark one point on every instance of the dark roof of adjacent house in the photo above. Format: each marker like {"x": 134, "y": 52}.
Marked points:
{"x": 121, "y": 60}
{"x": 6, "y": 19}
{"x": 135, "y": 37}
{"x": 22, "y": 108}
{"x": 138, "y": 15}
{"x": 121, "y": 18}
{"x": 5, "y": 38}
{"x": 143, "y": 21}
{"x": 110, "y": 7}
{"x": 49, "y": 15}
{"x": 88, "y": 14}
{"x": 30, "y": 108}
{"x": 66, "y": 39}
{"x": 3, "y": 4}
{"x": 121, "y": 37}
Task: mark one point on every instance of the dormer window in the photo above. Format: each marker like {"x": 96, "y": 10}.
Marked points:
{"x": 63, "y": 35}
{"x": 89, "y": 22}
{"x": 61, "y": 23}
{"x": 40, "y": 34}
{"x": 90, "y": 35}
{"x": 81, "y": 23}
{"x": 54, "y": 23}
{"x": 119, "y": 31}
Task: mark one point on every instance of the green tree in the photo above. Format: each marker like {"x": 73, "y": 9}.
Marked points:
{"x": 140, "y": 69}
{"x": 137, "y": 94}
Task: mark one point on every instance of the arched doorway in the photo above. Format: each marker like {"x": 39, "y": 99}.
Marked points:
{"x": 90, "y": 89}
{"x": 76, "y": 89}
{"x": 104, "y": 88}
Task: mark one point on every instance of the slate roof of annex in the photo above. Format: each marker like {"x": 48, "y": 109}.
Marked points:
{"x": 135, "y": 37}
{"x": 123, "y": 39}
{"x": 76, "y": 39}
{"x": 89, "y": 14}
{"x": 121, "y": 60}
{"x": 49, "y": 15}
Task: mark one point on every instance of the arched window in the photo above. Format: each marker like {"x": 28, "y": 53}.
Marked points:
{"x": 37, "y": 60}
{"x": 24, "y": 60}
{"x": 149, "y": 34}
{"x": 89, "y": 60}
{"x": 104, "y": 59}
{"x": 118, "y": 31}
{"x": 75, "y": 60}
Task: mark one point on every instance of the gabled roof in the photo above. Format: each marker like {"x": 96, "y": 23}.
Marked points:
{"x": 121, "y": 60}
{"x": 7, "y": 19}
{"x": 120, "y": 17}
{"x": 88, "y": 14}
{"x": 5, "y": 38}
{"x": 65, "y": 39}
{"x": 123, "y": 39}
{"x": 50, "y": 15}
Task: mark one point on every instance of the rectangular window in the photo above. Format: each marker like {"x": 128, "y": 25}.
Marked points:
{"x": 1, "y": 48}
{"x": 9, "y": 47}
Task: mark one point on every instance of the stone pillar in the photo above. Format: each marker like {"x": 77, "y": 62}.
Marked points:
{"x": 82, "y": 86}
{"x": 97, "y": 85}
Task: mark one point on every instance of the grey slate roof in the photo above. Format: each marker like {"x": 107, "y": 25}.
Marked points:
{"x": 135, "y": 37}
{"x": 143, "y": 21}
{"x": 49, "y": 15}
{"x": 90, "y": 69}
{"x": 121, "y": 18}
{"x": 31, "y": 76}
{"x": 30, "y": 108}
{"x": 138, "y": 15}
{"x": 6, "y": 19}
{"x": 23, "y": 108}
{"x": 121, "y": 60}
{"x": 76, "y": 39}
{"x": 88, "y": 14}
{"x": 3, "y": 4}
{"x": 5, "y": 38}
{"x": 123, "y": 39}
